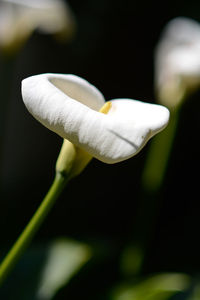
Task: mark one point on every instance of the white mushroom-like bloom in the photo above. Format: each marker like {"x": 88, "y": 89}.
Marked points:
{"x": 19, "y": 18}
{"x": 177, "y": 61}
{"x": 69, "y": 106}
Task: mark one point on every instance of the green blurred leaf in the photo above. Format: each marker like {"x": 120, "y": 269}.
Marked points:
{"x": 157, "y": 287}
{"x": 131, "y": 260}
{"x": 65, "y": 258}
{"x": 194, "y": 293}
{"x": 44, "y": 269}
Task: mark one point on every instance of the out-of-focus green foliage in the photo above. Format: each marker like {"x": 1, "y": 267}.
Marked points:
{"x": 45, "y": 269}
{"x": 157, "y": 287}
{"x": 131, "y": 260}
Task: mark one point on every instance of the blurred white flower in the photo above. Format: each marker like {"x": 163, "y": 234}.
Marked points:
{"x": 69, "y": 106}
{"x": 19, "y": 18}
{"x": 177, "y": 61}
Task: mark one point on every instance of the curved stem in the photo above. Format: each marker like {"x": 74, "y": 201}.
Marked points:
{"x": 158, "y": 156}
{"x": 30, "y": 230}
{"x": 151, "y": 183}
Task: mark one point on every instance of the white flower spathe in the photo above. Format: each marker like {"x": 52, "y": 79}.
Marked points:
{"x": 19, "y": 18}
{"x": 69, "y": 106}
{"x": 177, "y": 61}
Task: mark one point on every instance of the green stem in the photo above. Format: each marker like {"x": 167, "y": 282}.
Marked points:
{"x": 30, "y": 230}
{"x": 152, "y": 181}
{"x": 158, "y": 156}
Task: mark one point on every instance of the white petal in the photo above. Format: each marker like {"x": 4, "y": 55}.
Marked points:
{"x": 68, "y": 105}
{"x": 131, "y": 124}
{"x": 19, "y": 18}
{"x": 177, "y": 59}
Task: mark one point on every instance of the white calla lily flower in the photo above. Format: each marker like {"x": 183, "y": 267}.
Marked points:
{"x": 19, "y": 18}
{"x": 69, "y": 106}
{"x": 177, "y": 61}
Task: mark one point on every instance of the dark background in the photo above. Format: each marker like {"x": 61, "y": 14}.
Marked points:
{"x": 113, "y": 49}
